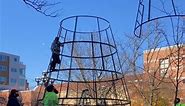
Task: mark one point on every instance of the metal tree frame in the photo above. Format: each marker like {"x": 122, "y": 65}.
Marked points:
{"x": 90, "y": 72}
{"x": 169, "y": 15}
{"x": 151, "y": 10}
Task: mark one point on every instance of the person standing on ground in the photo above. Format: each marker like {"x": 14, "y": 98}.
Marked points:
{"x": 12, "y": 99}
{"x": 177, "y": 102}
{"x": 50, "y": 98}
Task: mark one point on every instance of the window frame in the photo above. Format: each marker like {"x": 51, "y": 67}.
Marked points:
{"x": 164, "y": 64}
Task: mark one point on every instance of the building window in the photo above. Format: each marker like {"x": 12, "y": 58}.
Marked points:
{"x": 15, "y": 59}
{"x": 3, "y": 80}
{"x": 3, "y": 58}
{"x": 164, "y": 65}
{"x": 21, "y": 82}
{"x": 183, "y": 81}
{"x": 3, "y": 68}
{"x": 13, "y": 70}
{"x": 21, "y": 71}
{"x": 13, "y": 81}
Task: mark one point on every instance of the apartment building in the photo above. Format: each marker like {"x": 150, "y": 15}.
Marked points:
{"x": 165, "y": 69}
{"x": 12, "y": 72}
{"x": 166, "y": 61}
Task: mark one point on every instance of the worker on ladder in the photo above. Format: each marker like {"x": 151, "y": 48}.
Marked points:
{"x": 55, "y": 48}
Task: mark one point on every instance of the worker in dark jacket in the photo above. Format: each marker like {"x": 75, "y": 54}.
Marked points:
{"x": 12, "y": 99}
{"x": 55, "y": 48}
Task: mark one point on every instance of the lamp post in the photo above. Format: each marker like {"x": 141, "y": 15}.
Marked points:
{"x": 43, "y": 79}
{"x": 38, "y": 80}
{"x": 52, "y": 80}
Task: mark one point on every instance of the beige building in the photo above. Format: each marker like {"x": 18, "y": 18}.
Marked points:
{"x": 12, "y": 72}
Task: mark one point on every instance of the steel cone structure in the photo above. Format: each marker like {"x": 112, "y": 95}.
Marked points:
{"x": 160, "y": 26}
{"x": 90, "y": 72}
{"x": 170, "y": 12}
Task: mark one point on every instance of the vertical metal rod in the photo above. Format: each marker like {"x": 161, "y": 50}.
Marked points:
{"x": 149, "y": 9}
{"x": 47, "y": 82}
{"x": 141, "y": 20}
{"x": 101, "y": 49}
{"x": 126, "y": 89}
{"x": 94, "y": 66}
{"x": 71, "y": 61}
{"x": 60, "y": 30}
{"x": 77, "y": 94}
{"x": 39, "y": 94}
{"x": 142, "y": 15}
{"x": 103, "y": 64}
{"x": 174, "y": 7}
{"x": 137, "y": 15}
{"x": 114, "y": 86}
{"x": 60, "y": 90}
{"x": 62, "y": 53}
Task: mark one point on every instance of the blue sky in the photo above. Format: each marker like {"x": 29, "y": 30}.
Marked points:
{"x": 29, "y": 34}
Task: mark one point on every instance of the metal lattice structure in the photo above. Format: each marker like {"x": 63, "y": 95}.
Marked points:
{"x": 90, "y": 72}
{"x": 157, "y": 10}
{"x": 161, "y": 24}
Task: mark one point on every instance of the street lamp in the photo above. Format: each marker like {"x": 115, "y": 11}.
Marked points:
{"x": 38, "y": 80}
{"x": 52, "y": 80}
{"x": 44, "y": 78}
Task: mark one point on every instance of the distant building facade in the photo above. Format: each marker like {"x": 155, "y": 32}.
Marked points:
{"x": 166, "y": 61}
{"x": 166, "y": 66}
{"x": 12, "y": 72}
{"x": 161, "y": 68}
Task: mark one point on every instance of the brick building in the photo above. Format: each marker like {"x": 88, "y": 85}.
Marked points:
{"x": 163, "y": 69}
{"x": 167, "y": 66}
{"x": 12, "y": 72}
{"x": 166, "y": 61}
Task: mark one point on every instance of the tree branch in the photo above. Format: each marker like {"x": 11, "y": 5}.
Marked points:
{"x": 43, "y": 7}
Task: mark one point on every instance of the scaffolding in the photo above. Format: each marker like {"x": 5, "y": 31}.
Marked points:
{"x": 89, "y": 71}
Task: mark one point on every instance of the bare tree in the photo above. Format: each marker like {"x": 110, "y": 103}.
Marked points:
{"x": 163, "y": 60}
{"x": 161, "y": 66}
{"x": 150, "y": 80}
{"x": 176, "y": 52}
{"x": 45, "y": 7}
